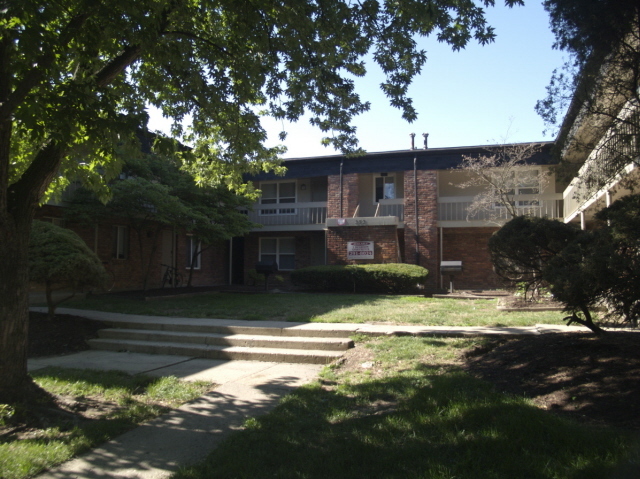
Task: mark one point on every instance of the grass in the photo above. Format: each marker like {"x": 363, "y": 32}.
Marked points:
{"x": 129, "y": 400}
{"x": 414, "y": 414}
{"x": 330, "y": 308}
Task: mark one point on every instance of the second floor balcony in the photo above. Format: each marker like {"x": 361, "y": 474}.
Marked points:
{"x": 454, "y": 211}
{"x": 290, "y": 216}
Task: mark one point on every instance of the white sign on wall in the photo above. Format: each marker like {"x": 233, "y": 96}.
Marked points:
{"x": 360, "y": 250}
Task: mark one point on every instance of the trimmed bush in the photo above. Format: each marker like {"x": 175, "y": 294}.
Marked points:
{"x": 393, "y": 278}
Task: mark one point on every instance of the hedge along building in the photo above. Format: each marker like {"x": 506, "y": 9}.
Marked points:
{"x": 388, "y": 207}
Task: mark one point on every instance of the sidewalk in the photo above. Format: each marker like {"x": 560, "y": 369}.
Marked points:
{"x": 187, "y": 435}
{"x": 244, "y": 389}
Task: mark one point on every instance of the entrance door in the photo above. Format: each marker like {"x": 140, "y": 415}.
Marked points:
{"x": 237, "y": 260}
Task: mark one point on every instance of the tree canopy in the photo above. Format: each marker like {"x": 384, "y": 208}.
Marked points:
{"x": 598, "y": 87}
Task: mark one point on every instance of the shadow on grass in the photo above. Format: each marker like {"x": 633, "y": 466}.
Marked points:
{"x": 418, "y": 423}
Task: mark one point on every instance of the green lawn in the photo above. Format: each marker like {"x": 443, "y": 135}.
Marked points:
{"x": 414, "y": 414}
{"x": 131, "y": 400}
{"x": 330, "y": 308}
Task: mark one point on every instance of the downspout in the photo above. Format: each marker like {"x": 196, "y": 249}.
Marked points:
{"x": 415, "y": 200}
{"x": 230, "y": 261}
{"x": 341, "y": 165}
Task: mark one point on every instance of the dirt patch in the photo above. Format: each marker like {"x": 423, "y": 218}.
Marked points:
{"x": 64, "y": 334}
{"x": 589, "y": 378}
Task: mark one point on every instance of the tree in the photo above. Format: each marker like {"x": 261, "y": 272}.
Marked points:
{"x": 502, "y": 174}
{"x": 521, "y": 249}
{"x": 77, "y": 75}
{"x": 60, "y": 260}
{"x": 539, "y": 252}
{"x": 152, "y": 194}
{"x": 582, "y": 269}
{"x": 622, "y": 257}
{"x": 598, "y": 88}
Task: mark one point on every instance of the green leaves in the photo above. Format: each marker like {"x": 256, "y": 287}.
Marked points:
{"x": 82, "y": 73}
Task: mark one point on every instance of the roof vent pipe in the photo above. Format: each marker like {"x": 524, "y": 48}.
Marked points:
{"x": 413, "y": 138}
{"x": 426, "y": 140}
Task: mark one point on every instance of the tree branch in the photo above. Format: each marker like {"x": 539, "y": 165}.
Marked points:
{"x": 41, "y": 65}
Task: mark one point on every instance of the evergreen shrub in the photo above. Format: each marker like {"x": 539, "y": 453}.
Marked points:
{"x": 392, "y": 278}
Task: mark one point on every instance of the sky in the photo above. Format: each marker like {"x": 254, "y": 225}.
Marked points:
{"x": 480, "y": 95}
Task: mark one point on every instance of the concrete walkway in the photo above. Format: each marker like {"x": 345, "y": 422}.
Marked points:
{"x": 187, "y": 435}
{"x": 244, "y": 389}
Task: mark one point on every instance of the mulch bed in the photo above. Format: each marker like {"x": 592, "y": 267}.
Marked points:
{"x": 64, "y": 334}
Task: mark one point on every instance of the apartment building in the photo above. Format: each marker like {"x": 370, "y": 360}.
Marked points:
{"x": 387, "y": 207}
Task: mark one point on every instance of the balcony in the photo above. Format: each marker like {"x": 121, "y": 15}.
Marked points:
{"x": 290, "y": 216}
{"x": 393, "y": 207}
{"x": 454, "y": 210}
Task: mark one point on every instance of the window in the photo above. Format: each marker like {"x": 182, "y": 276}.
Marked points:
{"x": 384, "y": 187}
{"x": 278, "y": 193}
{"x": 528, "y": 184}
{"x": 523, "y": 182}
{"x": 194, "y": 252}
{"x": 120, "y": 242}
{"x": 280, "y": 250}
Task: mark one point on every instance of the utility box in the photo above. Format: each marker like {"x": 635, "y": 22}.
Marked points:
{"x": 450, "y": 268}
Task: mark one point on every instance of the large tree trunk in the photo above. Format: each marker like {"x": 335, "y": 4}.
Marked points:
{"x": 14, "y": 309}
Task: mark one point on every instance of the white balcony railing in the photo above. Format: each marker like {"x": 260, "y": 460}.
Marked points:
{"x": 393, "y": 207}
{"x": 289, "y": 214}
{"x": 453, "y": 209}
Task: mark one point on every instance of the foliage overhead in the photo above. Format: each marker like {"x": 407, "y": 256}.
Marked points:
{"x": 597, "y": 88}
{"x": 79, "y": 74}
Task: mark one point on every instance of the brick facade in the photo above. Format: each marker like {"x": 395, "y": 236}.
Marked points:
{"x": 470, "y": 245}
{"x": 349, "y": 194}
{"x": 426, "y": 226}
{"x": 385, "y": 239}
{"x": 144, "y": 252}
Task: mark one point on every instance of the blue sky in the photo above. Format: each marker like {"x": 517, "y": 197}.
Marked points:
{"x": 480, "y": 95}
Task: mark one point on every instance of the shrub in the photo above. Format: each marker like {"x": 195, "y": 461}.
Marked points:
{"x": 60, "y": 259}
{"x": 393, "y": 278}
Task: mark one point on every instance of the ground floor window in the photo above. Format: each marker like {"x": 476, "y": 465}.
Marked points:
{"x": 194, "y": 252}
{"x": 120, "y": 242}
{"x": 280, "y": 250}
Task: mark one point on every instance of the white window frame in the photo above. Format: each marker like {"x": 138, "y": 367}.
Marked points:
{"x": 278, "y": 252}
{"x": 279, "y": 199}
{"x": 518, "y": 190}
{"x": 395, "y": 186}
{"x": 190, "y": 241}
{"x": 121, "y": 242}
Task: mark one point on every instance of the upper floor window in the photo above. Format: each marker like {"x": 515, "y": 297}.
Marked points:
{"x": 522, "y": 182}
{"x": 384, "y": 187}
{"x": 281, "y": 192}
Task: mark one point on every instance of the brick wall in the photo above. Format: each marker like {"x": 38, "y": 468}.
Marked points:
{"x": 470, "y": 245}
{"x": 350, "y": 193}
{"x": 385, "y": 240}
{"x": 428, "y": 243}
{"x": 128, "y": 272}
{"x": 214, "y": 263}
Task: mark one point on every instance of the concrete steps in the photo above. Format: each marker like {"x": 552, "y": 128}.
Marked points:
{"x": 215, "y": 341}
